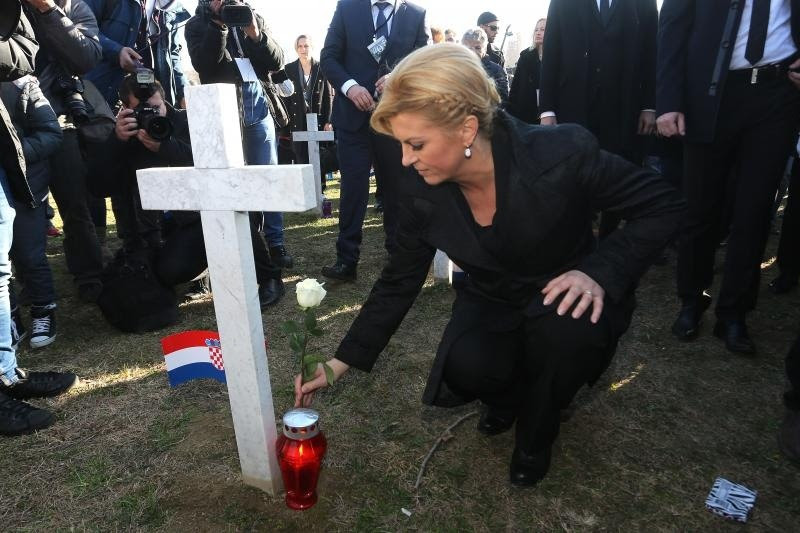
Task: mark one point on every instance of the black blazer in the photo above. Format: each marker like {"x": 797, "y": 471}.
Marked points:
{"x": 568, "y": 50}
{"x": 695, "y": 44}
{"x": 543, "y": 227}
{"x": 345, "y": 55}
{"x": 522, "y": 98}
{"x": 321, "y": 95}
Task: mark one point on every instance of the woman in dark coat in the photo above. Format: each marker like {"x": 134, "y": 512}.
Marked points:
{"x": 312, "y": 94}
{"x": 523, "y": 98}
{"x": 511, "y": 204}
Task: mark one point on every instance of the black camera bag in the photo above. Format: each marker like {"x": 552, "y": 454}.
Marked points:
{"x": 133, "y": 299}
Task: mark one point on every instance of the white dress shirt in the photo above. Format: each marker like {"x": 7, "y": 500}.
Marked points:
{"x": 779, "y": 45}
{"x": 375, "y": 9}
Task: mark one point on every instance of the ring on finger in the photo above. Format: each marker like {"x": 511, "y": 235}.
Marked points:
{"x": 589, "y": 293}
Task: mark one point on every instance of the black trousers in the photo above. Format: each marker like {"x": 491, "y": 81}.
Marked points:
{"x": 359, "y": 151}
{"x": 68, "y": 185}
{"x": 182, "y": 257}
{"x": 789, "y": 245}
{"x": 613, "y": 135}
{"x": 534, "y": 371}
{"x": 755, "y": 133}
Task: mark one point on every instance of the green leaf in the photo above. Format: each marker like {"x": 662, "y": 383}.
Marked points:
{"x": 290, "y": 326}
{"x": 295, "y": 343}
{"x": 314, "y": 358}
{"x": 328, "y": 374}
{"x": 311, "y": 320}
{"x": 309, "y": 369}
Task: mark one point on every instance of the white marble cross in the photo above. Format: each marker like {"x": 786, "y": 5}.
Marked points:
{"x": 313, "y": 137}
{"x": 223, "y": 189}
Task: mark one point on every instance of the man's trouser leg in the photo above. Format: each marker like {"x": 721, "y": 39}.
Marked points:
{"x": 68, "y": 185}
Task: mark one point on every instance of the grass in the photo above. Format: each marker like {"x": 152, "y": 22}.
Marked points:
{"x": 640, "y": 453}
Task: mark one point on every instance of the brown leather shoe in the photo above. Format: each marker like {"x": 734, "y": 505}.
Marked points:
{"x": 789, "y": 436}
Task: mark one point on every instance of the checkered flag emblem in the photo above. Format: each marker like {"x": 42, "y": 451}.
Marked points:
{"x": 215, "y": 353}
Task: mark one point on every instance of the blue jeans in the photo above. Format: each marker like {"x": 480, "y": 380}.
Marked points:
{"x": 260, "y": 148}
{"x": 8, "y": 359}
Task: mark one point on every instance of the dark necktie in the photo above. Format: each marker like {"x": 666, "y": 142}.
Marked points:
{"x": 381, "y": 24}
{"x": 604, "y": 11}
{"x": 757, "y": 37}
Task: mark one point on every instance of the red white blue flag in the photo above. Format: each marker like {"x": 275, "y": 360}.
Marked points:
{"x": 193, "y": 355}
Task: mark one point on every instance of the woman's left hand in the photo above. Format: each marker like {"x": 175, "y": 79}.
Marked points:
{"x": 577, "y": 287}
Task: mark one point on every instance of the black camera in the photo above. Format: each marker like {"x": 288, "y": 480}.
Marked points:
{"x": 150, "y": 120}
{"x": 70, "y": 88}
{"x": 10, "y": 12}
{"x": 233, "y": 12}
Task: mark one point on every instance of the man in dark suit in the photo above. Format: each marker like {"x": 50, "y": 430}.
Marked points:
{"x": 598, "y": 70}
{"x": 366, "y": 39}
{"x": 488, "y": 22}
{"x": 725, "y": 86}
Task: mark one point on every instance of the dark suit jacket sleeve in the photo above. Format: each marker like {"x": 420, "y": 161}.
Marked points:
{"x": 390, "y": 298}
{"x": 649, "y": 17}
{"x": 423, "y": 33}
{"x": 332, "y": 55}
{"x": 206, "y": 42}
{"x": 551, "y": 57}
{"x": 651, "y": 208}
{"x": 675, "y": 25}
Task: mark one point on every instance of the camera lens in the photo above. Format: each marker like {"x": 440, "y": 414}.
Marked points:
{"x": 157, "y": 127}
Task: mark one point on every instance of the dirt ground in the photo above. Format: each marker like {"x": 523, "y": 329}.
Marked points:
{"x": 641, "y": 452}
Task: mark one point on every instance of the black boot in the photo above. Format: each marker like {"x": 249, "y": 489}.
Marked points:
{"x": 494, "y": 421}
{"x": 687, "y": 326}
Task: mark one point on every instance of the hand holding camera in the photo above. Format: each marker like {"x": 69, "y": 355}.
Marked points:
{"x": 127, "y": 126}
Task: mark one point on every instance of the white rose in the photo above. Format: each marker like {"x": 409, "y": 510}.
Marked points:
{"x": 310, "y": 293}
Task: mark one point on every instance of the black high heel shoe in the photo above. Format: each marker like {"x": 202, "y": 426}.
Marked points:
{"x": 528, "y": 469}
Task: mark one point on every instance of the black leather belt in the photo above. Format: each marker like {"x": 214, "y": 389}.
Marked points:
{"x": 757, "y": 75}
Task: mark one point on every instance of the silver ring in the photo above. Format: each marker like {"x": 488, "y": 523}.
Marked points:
{"x": 588, "y": 292}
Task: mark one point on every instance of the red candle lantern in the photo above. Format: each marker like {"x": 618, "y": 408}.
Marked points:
{"x": 300, "y": 452}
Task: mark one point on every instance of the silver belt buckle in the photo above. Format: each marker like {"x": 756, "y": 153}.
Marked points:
{"x": 754, "y": 76}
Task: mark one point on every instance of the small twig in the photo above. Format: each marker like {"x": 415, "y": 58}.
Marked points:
{"x": 446, "y": 435}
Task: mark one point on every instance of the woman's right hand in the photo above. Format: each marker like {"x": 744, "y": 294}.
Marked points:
{"x": 304, "y": 392}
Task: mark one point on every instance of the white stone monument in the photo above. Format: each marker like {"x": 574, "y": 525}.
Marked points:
{"x": 443, "y": 268}
{"x": 224, "y": 190}
{"x": 313, "y": 137}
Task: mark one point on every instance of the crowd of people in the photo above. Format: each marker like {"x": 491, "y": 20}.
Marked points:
{"x": 668, "y": 132}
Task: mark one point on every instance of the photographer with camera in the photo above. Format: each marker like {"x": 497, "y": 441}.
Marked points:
{"x": 68, "y": 36}
{"x": 229, "y": 43}
{"x": 17, "y": 50}
{"x": 151, "y": 133}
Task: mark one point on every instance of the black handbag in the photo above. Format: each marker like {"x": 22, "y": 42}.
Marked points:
{"x": 133, "y": 299}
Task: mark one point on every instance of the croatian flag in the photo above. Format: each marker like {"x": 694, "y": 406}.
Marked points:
{"x": 193, "y": 355}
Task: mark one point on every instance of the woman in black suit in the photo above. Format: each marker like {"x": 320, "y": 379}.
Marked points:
{"x": 312, "y": 94}
{"x": 523, "y": 98}
{"x": 511, "y": 204}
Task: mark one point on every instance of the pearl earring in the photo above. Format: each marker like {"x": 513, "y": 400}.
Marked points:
{"x": 468, "y": 152}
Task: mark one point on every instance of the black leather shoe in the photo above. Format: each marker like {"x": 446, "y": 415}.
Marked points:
{"x": 271, "y": 292}
{"x": 783, "y": 283}
{"x": 495, "y": 421}
{"x": 734, "y": 333}
{"x": 39, "y": 384}
{"x": 280, "y": 257}
{"x": 340, "y": 271}
{"x": 528, "y": 469}
{"x": 687, "y": 325}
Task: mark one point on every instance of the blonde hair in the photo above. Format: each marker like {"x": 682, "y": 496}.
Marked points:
{"x": 445, "y": 84}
